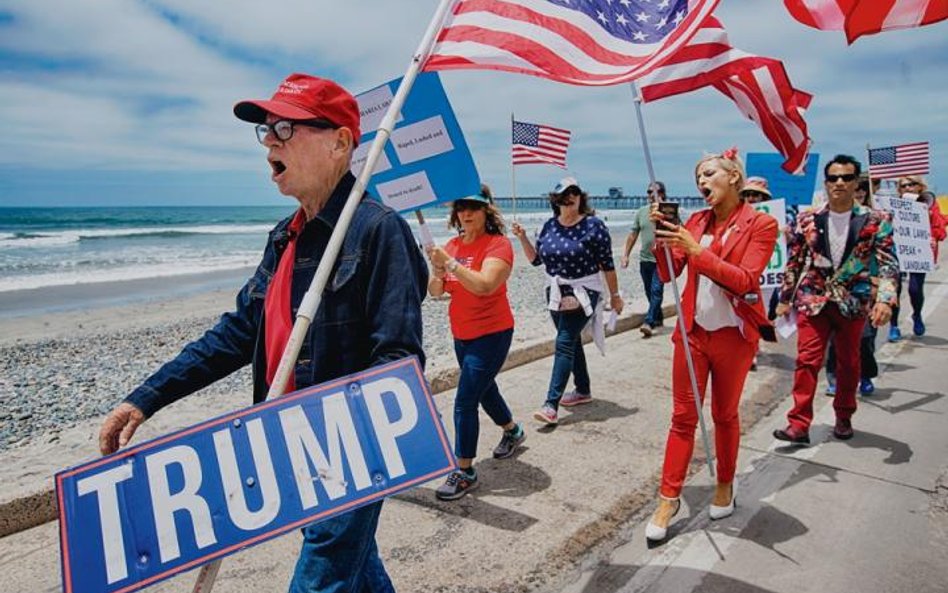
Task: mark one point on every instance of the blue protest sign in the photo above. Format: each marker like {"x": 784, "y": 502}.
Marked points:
{"x": 148, "y": 512}
{"x": 426, "y": 160}
{"x": 795, "y": 189}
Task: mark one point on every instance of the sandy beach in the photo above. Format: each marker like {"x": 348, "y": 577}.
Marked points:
{"x": 69, "y": 354}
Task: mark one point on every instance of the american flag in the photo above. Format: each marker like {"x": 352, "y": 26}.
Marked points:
{"x": 759, "y": 86}
{"x": 896, "y": 161}
{"x": 536, "y": 143}
{"x": 867, "y": 17}
{"x": 585, "y": 42}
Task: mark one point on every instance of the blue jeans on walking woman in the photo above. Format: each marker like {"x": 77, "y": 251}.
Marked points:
{"x": 569, "y": 356}
{"x": 339, "y": 555}
{"x": 480, "y": 360}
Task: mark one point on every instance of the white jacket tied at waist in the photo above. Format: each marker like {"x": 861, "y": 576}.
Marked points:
{"x": 595, "y": 282}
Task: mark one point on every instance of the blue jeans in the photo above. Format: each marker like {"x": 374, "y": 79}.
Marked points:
{"x": 916, "y": 296}
{"x": 480, "y": 360}
{"x": 339, "y": 555}
{"x": 654, "y": 291}
{"x": 569, "y": 356}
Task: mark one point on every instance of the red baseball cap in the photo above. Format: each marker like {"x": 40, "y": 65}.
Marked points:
{"x": 302, "y": 96}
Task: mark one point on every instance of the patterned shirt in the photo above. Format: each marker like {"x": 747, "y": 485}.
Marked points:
{"x": 576, "y": 251}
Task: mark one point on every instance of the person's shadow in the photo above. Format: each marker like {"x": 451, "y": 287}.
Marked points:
{"x": 496, "y": 477}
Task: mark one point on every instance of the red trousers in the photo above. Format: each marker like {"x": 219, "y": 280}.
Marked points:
{"x": 724, "y": 356}
{"x": 813, "y": 336}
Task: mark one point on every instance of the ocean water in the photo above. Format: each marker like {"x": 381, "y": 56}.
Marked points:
{"x": 51, "y": 247}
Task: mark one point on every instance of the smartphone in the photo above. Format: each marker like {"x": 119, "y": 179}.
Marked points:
{"x": 669, "y": 212}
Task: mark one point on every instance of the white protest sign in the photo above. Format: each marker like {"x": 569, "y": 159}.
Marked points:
{"x": 773, "y": 273}
{"x": 911, "y": 230}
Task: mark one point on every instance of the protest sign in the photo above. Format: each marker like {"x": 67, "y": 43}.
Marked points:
{"x": 795, "y": 189}
{"x": 426, "y": 160}
{"x": 911, "y": 230}
{"x": 773, "y": 274}
{"x": 148, "y": 512}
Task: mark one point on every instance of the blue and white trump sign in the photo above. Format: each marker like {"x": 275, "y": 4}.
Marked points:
{"x": 426, "y": 160}
{"x": 171, "y": 504}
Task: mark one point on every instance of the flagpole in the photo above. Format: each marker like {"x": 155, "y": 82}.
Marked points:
{"x": 311, "y": 300}
{"x": 637, "y": 99}
{"x": 513, "y": 172}
{"x": 871, "y": 198}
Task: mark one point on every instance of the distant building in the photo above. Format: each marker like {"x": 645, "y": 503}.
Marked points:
{"x": 616, "y": 192}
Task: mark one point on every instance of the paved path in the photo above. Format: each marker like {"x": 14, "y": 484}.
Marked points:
{"x": 867, "y": 515}
{"x": 565, "y": 513}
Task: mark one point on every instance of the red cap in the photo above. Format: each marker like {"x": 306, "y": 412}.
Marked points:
{"x": 302, "y": 96}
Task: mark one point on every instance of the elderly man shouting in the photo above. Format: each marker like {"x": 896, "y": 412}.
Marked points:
{"x": 370, "y": 311}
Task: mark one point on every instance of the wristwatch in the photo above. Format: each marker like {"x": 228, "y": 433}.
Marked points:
{"x": 451, "y": 265}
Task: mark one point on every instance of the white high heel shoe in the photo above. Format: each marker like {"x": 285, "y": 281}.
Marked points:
{"x": 653, "y": 532}
{"x": 717, "y": 512}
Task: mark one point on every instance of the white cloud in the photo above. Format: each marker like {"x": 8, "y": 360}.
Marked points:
{"x": 118, "y": 63}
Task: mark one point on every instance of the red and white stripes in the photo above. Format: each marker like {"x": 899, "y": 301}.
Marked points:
{"x": 758, "y": 86}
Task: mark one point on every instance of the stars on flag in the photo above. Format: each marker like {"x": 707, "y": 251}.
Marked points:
{"x": 638, "y": 22}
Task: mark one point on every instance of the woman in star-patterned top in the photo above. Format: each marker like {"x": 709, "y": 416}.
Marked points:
{"x": 576, "y": 250}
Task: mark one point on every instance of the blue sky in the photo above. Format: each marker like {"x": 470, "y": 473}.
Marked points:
{"x": 125, "y": 102}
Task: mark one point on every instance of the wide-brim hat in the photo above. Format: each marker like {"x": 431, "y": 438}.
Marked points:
{"x": 757, "y": 184}
{"x": 306, "y": 97}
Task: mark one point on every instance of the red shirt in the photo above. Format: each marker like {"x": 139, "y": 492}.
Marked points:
{"x": 473, "y": 316}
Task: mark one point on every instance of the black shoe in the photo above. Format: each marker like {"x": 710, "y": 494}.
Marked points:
{"x": 791, "y": 435}
{"x": 509, "y": 442}
{"x": 457, "y": 485}
{"x": 843, "y": 430}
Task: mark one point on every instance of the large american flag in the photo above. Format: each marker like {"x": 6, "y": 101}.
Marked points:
{"x": 867, "y": 17}
{"x": 896, "y": 161}
{"x": 759, "y": 87}
{"x": 585, "y": 42}
{"x": 536, "y": 143}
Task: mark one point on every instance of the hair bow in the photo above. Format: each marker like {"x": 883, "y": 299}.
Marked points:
{"x": 730, "y": 154}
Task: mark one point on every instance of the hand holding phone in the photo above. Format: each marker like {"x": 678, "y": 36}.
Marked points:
{"x": 669, "y": 211}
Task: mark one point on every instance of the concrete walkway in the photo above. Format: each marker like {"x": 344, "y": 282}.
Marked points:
{"x": 566, "y": 512}
{"x": 867, "y": 515}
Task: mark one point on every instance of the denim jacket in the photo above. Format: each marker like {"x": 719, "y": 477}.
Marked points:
{"x": 370, "y": 311}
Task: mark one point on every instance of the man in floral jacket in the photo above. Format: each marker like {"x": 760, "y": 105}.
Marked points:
{"x": 840, "y": 257}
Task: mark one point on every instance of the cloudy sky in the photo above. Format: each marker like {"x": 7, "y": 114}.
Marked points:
{"x": 128, "y": 102}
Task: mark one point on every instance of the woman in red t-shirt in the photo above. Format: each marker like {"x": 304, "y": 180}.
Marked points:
{"x": 473, "y": 268}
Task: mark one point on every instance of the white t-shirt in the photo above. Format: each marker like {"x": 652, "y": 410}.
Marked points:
{"x": 838, "y": 233}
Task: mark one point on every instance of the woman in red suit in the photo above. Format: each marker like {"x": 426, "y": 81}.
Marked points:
{"x": 726, "y": 248}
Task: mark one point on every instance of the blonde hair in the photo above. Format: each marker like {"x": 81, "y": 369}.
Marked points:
{"x": 917, "y": 179}
{"x": 729, "y": 161}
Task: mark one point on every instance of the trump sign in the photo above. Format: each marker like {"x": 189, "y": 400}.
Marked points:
{"x": 168, "y": 505}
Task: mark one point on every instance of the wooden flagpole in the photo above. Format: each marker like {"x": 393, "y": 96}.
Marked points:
{"x": 637, "y": 99}
{"x": 313, "y": 297}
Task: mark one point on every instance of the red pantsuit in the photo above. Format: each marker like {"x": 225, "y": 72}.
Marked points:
{"x": 725, "y": 357}
{"x": 814, "y": 335}
{"x": 734, "y": 261}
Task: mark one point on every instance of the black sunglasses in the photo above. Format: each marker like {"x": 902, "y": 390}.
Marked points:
{"x": 461, "y": 205}
{"x": 283, "y": 128}
{"x": 908, "y": 184}
{"x": 847, "y": 177}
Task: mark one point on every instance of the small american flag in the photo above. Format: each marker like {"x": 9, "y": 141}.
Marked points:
{"x": 896, "y": 161}
{"x": 536, "y": 143}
